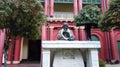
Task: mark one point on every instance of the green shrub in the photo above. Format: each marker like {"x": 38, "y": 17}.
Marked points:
{"x": 101, "y": 63}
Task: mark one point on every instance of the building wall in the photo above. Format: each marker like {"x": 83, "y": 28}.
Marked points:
{"x": 109, "y": 40}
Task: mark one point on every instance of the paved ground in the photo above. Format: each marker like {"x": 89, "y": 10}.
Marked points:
{"x": 24, "y": 65}
{"x": 38, "y": 65}
{"x": 114, "y": 65}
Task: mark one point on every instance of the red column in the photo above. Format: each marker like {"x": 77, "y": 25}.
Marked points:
{"x": 43, "y": 32}
{"x": 76, "y": 33}
{"x": 107, "y": 4}
{"x": 75, "y": 8}
{"x": 107, "y": 49}
{"x": 102, "y": 6}
{"x": 17, "y": 51}
{"x": 9, "y": 55}
{"x": 51, "y": 32}
{"x": 46, "y": 7}
{"x": 51, "y": 7}
{"x": 2, "y": 38}
{"x": 82, "y": 33}
{"x": 114, "y": 46}
{"x": 79, "y": 5}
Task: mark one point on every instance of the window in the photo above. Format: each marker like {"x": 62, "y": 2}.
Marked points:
{"x": 119, "y": 48}
{"x": 40, "y": 0}
{"x": 91, "y": 2}
{"x": 63, "y": 1}
{"x": 71, "y": 1}
{"x": 95, "y": 38}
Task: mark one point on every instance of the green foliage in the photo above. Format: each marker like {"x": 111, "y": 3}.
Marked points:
{"x": 22, "y": 17}
{"x": 90, "y": 14}
{"x": 101, "y": 63}
{"x": 111, "y": 17}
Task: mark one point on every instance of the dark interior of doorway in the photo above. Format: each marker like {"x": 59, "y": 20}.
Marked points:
{"x": 34, "y": 50}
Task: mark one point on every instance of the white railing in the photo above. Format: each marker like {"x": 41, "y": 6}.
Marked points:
{"x": 63, "y": 15}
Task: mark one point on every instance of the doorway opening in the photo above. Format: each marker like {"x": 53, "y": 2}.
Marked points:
{"x": 34, "y": 50}
{"x": 31, "y": 51}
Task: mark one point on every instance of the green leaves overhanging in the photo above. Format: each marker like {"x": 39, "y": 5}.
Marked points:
{"x": 111, "y": 17}
{"x": 22, "y": 17}
{"x": 90, "y": 14}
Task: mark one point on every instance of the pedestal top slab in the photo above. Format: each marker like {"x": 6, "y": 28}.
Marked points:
{"x": 70, "y": 44}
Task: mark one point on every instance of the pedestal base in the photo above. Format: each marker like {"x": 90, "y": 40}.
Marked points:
{"x": 68, "y": 58}
{"x": 67, "y": 53}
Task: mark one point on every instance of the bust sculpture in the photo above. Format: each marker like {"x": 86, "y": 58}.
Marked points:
{"x": 65, "y": 33}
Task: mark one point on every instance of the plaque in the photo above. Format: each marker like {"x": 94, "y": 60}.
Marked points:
{"x": 68, "y": 54}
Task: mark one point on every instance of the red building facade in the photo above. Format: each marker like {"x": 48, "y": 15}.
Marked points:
{"x": 57, "y": 12}
{"x": 110, "y": 43}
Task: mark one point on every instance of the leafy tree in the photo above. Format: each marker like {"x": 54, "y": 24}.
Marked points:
{"x": 111, "y": 17}
{"x": 20, "y": 18}
{"x": 89, "y": 16}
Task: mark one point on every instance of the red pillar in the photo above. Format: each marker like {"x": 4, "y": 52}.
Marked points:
{"x": 102, "y": 6}
{"x": 51, "y": 32}
{"x": 82, "y": 33}
{"x": 76, "y": 33}
{"x": 107, "y": 4}
{"x": 105, "y": 46}
{"x": 11, "y": 51}
{"x": 9, "y": 55}
{"x": 51, "y": 7}
{"x": 2, "y": 38}
{"x": 46, "y": 7}
{"x": 79, "y": 5}
{"x": 43, "y": 32}
{"x": 75, "y": 8}
{"x": 17, "y": 51}
{"x": 114, "y": 46}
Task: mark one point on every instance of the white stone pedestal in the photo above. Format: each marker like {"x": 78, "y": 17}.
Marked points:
{"x": 68, "y": 58}
{"x": 89, "y": 46}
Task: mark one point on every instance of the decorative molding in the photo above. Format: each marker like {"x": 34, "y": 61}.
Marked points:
{"x": 70, "y": 44}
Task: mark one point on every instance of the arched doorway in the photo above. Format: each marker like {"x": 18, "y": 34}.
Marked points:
{"x": 95, "y": 38}
{"x": 119, "y": 48}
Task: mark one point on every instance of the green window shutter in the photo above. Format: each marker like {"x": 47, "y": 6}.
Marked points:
{"x": 71, "y": 1}
{"x": 41, "y": 0}
{"x": 91, "y": 2}
{"x": 119, "y": 47}
{"x": 63, "y": 1}
{"x": 95, "y": 38}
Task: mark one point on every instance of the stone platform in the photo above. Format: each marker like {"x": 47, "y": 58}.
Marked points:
{"x": 88, "y": 51}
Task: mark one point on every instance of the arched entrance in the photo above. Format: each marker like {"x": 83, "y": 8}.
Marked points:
{"x": 95, "y": 38}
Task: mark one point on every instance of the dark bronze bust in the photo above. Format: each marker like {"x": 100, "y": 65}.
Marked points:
{"x": 65, "y": 33}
